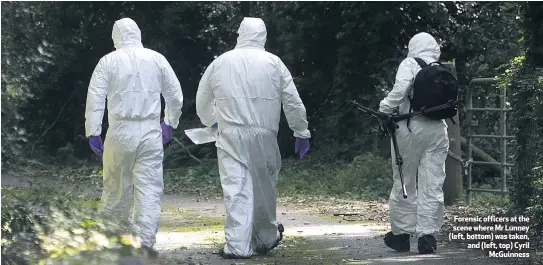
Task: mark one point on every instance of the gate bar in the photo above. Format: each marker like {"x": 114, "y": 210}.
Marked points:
{"x": 504, "y": 166}
{"x": 491, "y": 136}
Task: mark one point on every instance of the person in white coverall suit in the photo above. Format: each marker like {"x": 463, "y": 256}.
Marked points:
{"x": 242, "y": 91}
{"x": 424, "y": 150}
{"x": 132, "y": 79}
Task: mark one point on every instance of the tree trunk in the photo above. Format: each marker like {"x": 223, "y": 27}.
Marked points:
{"x": 452, "y": 187}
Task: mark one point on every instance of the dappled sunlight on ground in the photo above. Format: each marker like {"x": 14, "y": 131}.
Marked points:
{"x": 316, "y": 232}
{"x": 312, "y": 236}
{"x": 357, "y": 246}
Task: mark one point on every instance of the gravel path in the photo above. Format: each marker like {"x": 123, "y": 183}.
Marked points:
{"x": 192, "y": 231}
{"x": 311, "y": 237}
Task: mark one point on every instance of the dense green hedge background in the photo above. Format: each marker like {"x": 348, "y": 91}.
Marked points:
{"x": 337, "y": 51}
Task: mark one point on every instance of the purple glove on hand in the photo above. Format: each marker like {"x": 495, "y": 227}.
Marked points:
{"x": 96, "y": 145}
{"x": 167, "y": 133}
{"x": 214, "y": 126}
{"x": 302, "y": 147}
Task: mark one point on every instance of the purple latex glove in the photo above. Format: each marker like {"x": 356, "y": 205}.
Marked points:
{"x": 167, "y": 133}
{"x": 96, "y": 145}
{"x": 214, "y": 126}
{"x": 302, "y": 147}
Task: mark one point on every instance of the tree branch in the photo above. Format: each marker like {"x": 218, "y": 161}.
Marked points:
{"x": 179, "y": 142}
{"x": 54, "y": 122}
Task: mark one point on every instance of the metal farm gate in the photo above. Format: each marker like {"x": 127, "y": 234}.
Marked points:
{"x": 503, "y": 109}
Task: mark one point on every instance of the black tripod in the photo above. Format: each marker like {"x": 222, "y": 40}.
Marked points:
{"x": 389, "y": 122}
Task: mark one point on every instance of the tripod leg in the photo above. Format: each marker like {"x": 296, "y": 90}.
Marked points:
{"x": 399, "y": 162}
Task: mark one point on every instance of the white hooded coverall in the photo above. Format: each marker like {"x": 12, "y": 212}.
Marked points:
{"x": 243, "y": 90}
{"x": 132, "y": 78}
{"x": 424, "y": 150}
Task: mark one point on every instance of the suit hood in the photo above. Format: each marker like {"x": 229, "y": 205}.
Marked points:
{"x": 424, "y": 46}
{"x": 126, "y": 33}
{"x": 252, "y": 33}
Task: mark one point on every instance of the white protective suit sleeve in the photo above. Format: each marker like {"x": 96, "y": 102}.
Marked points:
{"x": 173, "y": 95}
{"x": 402, "y": 87}
{"x": 96, "y": 100}
{"x": 205, "y": 99}
{"x": 292, "y": 105}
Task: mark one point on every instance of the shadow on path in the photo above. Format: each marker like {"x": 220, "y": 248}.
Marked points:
{"x": 357, "y": 245}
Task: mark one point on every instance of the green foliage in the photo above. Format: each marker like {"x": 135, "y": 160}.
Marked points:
{"x": 535, "y": 211}
{"x": 498, "y": 30}
{"x": 41, "y": 227}
{"x": 48, "y": 62}
{"x": 201, "y": 179}
{"x": 528, "y": 114}
{"x": 526, "y": 193}
{"x": 336, "y": 51}
{"x": 510, "y": 71}
{"x": 529, "y": 121}
{"x": 483, "y": 200}
{"x": 367, "y": 176}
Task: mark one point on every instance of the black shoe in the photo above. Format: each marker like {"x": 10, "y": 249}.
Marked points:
{"x": 281, "y": 229}
{"x": 397, "y": 242}
{"x": 230, "y": 256}
{"x": 427, "y": 244}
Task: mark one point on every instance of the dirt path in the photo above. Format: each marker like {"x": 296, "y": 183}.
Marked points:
{"x": 192, "y": 231}
{"x": 311, "y": 237}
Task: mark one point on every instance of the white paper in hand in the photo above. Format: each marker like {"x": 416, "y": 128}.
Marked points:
{"x": 202, "y": 135}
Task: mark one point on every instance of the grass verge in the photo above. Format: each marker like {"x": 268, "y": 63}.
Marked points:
{"x": 173, "y": 220}
{"x": 366, "y": 177}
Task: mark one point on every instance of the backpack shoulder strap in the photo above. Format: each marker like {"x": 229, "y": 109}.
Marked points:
{"x": 421, "y": 62}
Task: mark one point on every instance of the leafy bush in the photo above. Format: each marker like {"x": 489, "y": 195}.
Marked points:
{"x": 535, "y": 211}
{"x": 527, "y": 103}
{"x": 367, "y": 176}
{"x": 202, "y": 179}
{"x": 40, "y": 227}
{"x": 529, "y": 113}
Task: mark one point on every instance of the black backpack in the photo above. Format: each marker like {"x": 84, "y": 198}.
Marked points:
{"x": 435, "y": 84}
